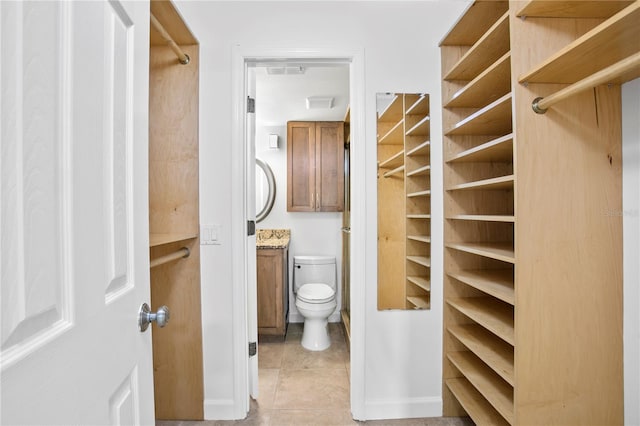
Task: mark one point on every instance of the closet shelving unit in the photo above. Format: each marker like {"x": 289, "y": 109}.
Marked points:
{"x": 418, "y": 201}
{"x": 404, "y": 200}
{"x": 533, "y": 261}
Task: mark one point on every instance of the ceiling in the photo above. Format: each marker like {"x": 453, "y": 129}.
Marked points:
{"x": 282, "y": 97}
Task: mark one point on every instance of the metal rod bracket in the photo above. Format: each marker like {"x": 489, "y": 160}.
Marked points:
{"x": 536, "y": 108}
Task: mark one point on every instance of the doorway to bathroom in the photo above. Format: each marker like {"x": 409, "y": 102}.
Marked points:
{"x": 277, "y": 85}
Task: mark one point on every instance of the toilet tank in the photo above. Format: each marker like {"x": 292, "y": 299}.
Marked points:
{"x": 314, "y": 269}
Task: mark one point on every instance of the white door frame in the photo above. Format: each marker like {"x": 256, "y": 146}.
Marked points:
{"x": 355, "y": 58}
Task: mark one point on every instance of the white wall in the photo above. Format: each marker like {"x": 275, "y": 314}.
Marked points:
{"x": 400, "y": 43}
{"x": 631, "y": 226}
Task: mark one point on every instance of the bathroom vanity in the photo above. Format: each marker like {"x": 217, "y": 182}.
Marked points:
{"x": 272, "y": 277}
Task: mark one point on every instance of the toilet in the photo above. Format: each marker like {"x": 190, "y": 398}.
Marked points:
{"x": 314, "y": 286}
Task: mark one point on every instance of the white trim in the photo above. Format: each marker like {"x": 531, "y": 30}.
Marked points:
{"x": 240, "y": 57}
{"x": 404, "y": 408}
{"x": 220, "y": 409}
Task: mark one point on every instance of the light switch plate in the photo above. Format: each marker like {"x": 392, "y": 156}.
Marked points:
{"x": 210, "y": 235}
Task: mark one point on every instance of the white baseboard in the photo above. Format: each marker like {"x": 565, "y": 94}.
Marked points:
{"x": 403, "y": 408}
{"x": 221, "y": 409}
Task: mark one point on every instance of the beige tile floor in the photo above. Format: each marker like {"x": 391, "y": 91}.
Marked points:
{"x": 300, "y": 387}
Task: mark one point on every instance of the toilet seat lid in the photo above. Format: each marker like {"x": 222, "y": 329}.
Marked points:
{"x": 315, "y": 293}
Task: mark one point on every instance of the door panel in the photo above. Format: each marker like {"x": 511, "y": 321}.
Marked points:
{"x": 74, "y": 234}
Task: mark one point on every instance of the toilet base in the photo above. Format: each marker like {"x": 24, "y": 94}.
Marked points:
{"x": 315, "y": 335}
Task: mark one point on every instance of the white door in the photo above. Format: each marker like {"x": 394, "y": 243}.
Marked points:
{"x": 252, "y": 283}
{"x": 74, "y": 228}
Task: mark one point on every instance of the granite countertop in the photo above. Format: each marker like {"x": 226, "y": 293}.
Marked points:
{"x": 272, "y": 238}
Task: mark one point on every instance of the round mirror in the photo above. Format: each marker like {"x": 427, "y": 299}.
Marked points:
{"x": 265, "y": 190}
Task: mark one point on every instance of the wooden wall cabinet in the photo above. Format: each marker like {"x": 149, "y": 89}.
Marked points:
{"x": 273, "y": 290}
{"x": 533, "y": 262}
{"x": 315, "y": 166}
{"x": 404, "y": 203}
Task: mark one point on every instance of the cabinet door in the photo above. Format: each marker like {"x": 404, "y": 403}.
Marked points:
{"x": 330, "y": 166}
{"x": 270, "y": 282}
{"x": 301, "y": 170}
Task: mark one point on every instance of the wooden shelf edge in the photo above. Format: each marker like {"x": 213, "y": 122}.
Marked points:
{"x": 392, "y": 135}
{"x": 418, "y": 150}
{"x": 573, "y": 9}
{"x": 502, "y": 182}
{"x": 489, "y": 313}
{"x": 488, "y": 39}
{"x": 421, "y": 282}
{"x": 395, "y": 158}
{"x": 485, "y": 83}
{"x": 420, "y": 260}
{"x": 425, "y": 193}
{"x": 420, "y": 302}
{"x": 393, "y": 172}
{"x": 590, "y": 46}
{"x": 494, "y": 282}
{"x": 493, "y": 108}
{"x": 497, "y": 251}
{"x": 422, "y": 123}
{"x": 483, "y": 218}
{"x": 418, "y": 216}
{"x": 497, "y": 354}
{"x": 498, "y": 393}
{"x": 156, "y": 240}
{"x": 487, "y": 146}
{"x": 424, "y": 170}
{"x": 478, "y": 408}
{"x": 417, "y": 104}
{"x": 420, "y": 238}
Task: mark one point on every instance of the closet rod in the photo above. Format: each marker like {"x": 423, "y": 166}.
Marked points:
{"x": 178, "y": 254}
{"x": 182, "y": 57}
{"x": 540, "y": 105}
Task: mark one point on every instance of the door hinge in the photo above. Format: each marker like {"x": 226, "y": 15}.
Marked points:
{"x": 251, "y": 227}
{"x": 253, "y": 349}
{"x": 251, "y": 104}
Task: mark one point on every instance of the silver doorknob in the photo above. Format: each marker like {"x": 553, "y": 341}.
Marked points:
{"x": 146, "y": 317}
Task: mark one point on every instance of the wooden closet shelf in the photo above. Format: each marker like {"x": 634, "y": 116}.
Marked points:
{"x": 422, "y": 282}
{"x": 498, "y": 393}
{"x": 483, "y": 217}
{"x": 393, "y": 161}
{"x": 478, "y": 408}
{"x": 495, "y": 316}
{"x": 397, "y": 171}
{"x": 613, "y": 40}
{"x": 393, "y": 136}
{"x": 419, "y": 107}
{"x": 496, "y": 150}
{"x": 494, "y": 119}
{"x": 572, "y": 9}
{"x": 502, "y": 182}
{"x": 161, "y": 239}
{"x": 494, "y": 282}
{"x": 491, "y": 46}
{"x": 420, "y": 260}
{"x": 421, "y": 238}
{"x": 422, "y": 149}
{"x": 421, "y": 128}
{"x": 425, "y": 193}
{"x": 421, "y": 171}
{"x": 474, "y": 22}
{"x": 490, "y": 85}
{"x": 393, "y": 112}
{"x": 494, "y": 352}
{"x": 499, "y": 251}
{"x": 420, "y": 302}
{"x": 418, "y": 216}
